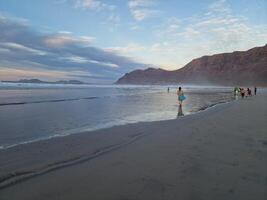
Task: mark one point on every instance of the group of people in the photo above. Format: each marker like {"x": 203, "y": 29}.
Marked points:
{"x": 244, "y": 92}
{"x": 237, "y": 91}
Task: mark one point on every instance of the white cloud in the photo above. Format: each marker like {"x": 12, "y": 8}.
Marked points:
{"x": 139, "y": 3}
{"x": 141, "y": 14}
{"x": 64, "y": 38}
{"x": 16, "y": 46}
{"x": 142, "y": 9}
{"x": 112, "y": 17}
{"x": 88, "y": 4}
{"x": 76, "y": 59}
{"x": 82, "y": 60}
{"x": 218, "y": 30}
{"x": 107, "y": 64}
{"x": 189, "y": 33}
{"x": 217, "y": 21}
{"x": 219, "y": 7}
{"x": 63, "y": 51}
{"x": 93, "y": 5}
{"x": 127, "y": 49}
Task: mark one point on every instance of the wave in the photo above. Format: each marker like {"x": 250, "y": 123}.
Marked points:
{"x": 120, "y": 122}
{"x": 46, "y": 101}
{"x": 75, "y": 99}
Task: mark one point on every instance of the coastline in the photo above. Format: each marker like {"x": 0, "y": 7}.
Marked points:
{"x": 24, "y": 161}
{"x": 106, "y": 126}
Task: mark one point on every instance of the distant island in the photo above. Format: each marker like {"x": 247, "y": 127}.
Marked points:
{"x": 49, "y": 82}
{"x": 228, "y": 69}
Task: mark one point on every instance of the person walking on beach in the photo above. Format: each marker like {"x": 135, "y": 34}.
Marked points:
{"x": 180, "y": 95}
{"x": 249, "y": 92}
{"x": 180, "y": 111}
{"x": 236, "y": 91}
{"x": 255, "y": 90}
{"x": 242, "y": 93}
{"x": 168, "y": 89}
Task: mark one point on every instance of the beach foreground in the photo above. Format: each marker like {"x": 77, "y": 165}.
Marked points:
{"x": 220, "y": 153}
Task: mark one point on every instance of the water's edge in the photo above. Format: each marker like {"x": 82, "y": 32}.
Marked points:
{"x": 106, "y": 126}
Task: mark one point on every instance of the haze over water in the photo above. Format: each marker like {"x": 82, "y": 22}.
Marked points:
{"x": 30, "y": 112}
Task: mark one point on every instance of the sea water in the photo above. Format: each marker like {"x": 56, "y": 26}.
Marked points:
{"x": 32, "y": 112}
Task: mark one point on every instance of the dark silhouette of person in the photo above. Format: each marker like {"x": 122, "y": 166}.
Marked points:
{"x": 249, "y": 92}
{"x": 180, "y": 95}
{"x": 255, "y": 90}
{"x": 180, "y": 111}
{"x": 242, "y": 93}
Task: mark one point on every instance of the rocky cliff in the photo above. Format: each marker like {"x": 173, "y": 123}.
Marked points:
{"x": 237, "y": 68}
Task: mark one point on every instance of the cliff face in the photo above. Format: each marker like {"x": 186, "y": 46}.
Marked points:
{"x": 237, "y": 68}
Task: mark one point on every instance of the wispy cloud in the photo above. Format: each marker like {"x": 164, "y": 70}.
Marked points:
{"x": 142, "y": 9}
{"x": 112, "y": 16}
{"x": 65, "y": 38}
{"x": 22, "y": 48}
{"x": 81, "y": 60}
{"x": 130, "y": 48}
{"x": 10, "y": 46}
{"x": 93, "y": 5}
{"x": 217, "y": 30}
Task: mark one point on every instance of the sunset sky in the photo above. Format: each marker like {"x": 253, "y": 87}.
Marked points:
{"x": 97, "y": 41}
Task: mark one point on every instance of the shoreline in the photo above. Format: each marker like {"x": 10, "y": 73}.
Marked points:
{"x": 14, "y": 177}
{"x": 87, "y": 130}
{"x": 201, "y": 137}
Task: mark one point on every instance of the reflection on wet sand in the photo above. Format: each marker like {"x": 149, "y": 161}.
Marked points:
{"x": 180, "y": 111}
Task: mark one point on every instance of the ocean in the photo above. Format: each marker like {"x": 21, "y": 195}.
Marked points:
{"x": 32, "y": 112}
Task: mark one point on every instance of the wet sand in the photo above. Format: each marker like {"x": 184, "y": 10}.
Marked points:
{"x": 220, "y": 153}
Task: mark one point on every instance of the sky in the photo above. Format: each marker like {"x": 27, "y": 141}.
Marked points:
{"x": 98, "y": 41}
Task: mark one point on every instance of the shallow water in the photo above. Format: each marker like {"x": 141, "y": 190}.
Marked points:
{"x": 30, "y": 112}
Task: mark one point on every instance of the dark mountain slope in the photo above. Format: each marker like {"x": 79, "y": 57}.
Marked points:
{"x": 237, "y": 68}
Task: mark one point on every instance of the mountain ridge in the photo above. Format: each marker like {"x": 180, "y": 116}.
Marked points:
{"x": 236, "y": 68}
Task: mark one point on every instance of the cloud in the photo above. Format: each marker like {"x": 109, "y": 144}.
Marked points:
{"x": 142, "y": 9}
{"x": 130, "y": 48}
{"x": 141, "y": 3}
{"x": 76, "y": 59}
{"x": 65, "y": 38}
{"x": 80, "y": 60}
{"x": 93, "y": 5}
{"x": 218, "y": 7}
{"x": 111, "y": 16}
{"x": 27, "y": 50}
{"x": 10, "y": 46}
{"x": 217, "y": 30}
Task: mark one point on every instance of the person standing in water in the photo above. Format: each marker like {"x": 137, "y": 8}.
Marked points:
{"x": 180, "y": 95}
{"x": 255, "y": 90}
{"x": 180, "y": 111}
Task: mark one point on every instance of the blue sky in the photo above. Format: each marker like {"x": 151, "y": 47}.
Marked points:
{"x": 100, "y": 40}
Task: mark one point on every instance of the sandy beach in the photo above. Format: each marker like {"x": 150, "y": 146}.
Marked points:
{"x": 219, "y": 153}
